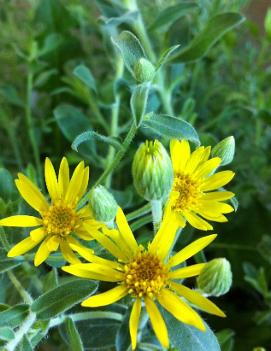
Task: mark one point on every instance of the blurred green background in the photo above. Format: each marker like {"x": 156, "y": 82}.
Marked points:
{"x": 228, "y": 92}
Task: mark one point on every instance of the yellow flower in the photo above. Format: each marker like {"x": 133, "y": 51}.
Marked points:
{"x": 147, "y": 275}
{"x": 191, "y": 198}
{"x": 59, "y": 218}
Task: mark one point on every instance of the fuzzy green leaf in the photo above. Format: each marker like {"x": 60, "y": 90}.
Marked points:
{"x": 215, "y": 28}
{"x": 138, "y": 102}
{"x": 13, "y": 316}
{"x": 170, "y": 14}
{"x": 171, "y": 127}
{"x": 62, "y": 298}
{"x": 129, "y": 47}
{"x": 84, "y": 74}
{"x": 74, "y": 339}
{"x": 188, "y": 338}
{"x": 90, "y": 135}
{"x": 8, "y": 264}
{"x": 6, "y": 334}
{"x": 123, "y": 339}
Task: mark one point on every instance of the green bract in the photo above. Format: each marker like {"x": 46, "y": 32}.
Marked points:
{"x": 216, "y": 277}
{"x": 102, "y": 204}
{"x": 152, "y": 171}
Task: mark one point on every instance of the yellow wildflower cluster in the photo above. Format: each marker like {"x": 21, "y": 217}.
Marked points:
{"x": 149, "y": 275}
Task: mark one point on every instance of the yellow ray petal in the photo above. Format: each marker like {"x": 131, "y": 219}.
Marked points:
{"x": 195, "y": 160}
{"x": 53, "y": 243}
{"x": 197, "y": 299}
{"x": 84, "y": 234}
{"x": 31, "y": 193}
{"x": 218, "y": 196}
{"x": 187, "y": 272}
{"x": 214, "y": 207}
{"x": 22, "y": 247}
{"x": 84, "y": 183}
{"x": 179, "y": 309}
{"x": 109, "y": 245}
{"x": 63, "y": 177}
{"x": 158, "y": 323}
{"x": 125, "y": 231}
{"x": 85, "y": 212}
{"x": 206, "y": 154}
{"x": 165, "y": 236}
{"x": 42, "y": 253}
{"x": 88, "y": 255}
{"x": 191, "y": 249}
{"x": 217, "y": 180}
{"x": 207, "y": 167}
{"x": 196, "y": 221}
{"x": 213, "y": 217}
{"x": 75, "y": 184}
{"x": 115, "y": 236}
{"x": 180, "y": 154}
{"x": 94, "y": 271}
{"x": 51, "y": 180}
{"x": 21, "y": 221}
{"x": 134, "y": 321}
{"x": 68, "y": 253}
{"x": 106, "y": 298}
{"x": 37, "y": 234}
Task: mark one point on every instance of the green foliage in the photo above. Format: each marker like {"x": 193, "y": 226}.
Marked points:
{"x": 70, "y": 86}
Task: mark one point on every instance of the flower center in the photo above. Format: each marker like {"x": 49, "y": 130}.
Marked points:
{"x": 188, "y": 192}
{"x": 146, "y": 275}
{"x": 60, "y": 220}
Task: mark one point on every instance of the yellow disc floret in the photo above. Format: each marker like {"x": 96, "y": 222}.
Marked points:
{"x": 60, "y": 219}
{"x": 146, "y": 275}
{"x": 188, "y": 191}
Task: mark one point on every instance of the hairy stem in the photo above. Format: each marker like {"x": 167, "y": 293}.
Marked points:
{"x": 29, "y": 121}
{"x": 156, "y": 208}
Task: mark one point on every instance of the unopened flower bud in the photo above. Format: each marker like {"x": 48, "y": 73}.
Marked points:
{"x": 225, "y": 150}
{"x": 102, "y": 204}
{"x": 152, "y": 171}
{"x": 144, "y": 70}
{"x": 216, "y": 277}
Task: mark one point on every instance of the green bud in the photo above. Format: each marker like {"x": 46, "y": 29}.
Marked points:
{"x": 225, "y": 150}
{"x": 144, "y": 70}
{"x": 259, "y": 349}
{"x": 267, "y": 23}
{"x": 216, "y": 277}
{"x": 102, "y": 204}
{"x": 152, "y": 171}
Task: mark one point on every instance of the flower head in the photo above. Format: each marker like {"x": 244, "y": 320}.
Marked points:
{"x": 58, "y": 219}
{"x": 147, "y": 275}
{"x": 195, "y": 196}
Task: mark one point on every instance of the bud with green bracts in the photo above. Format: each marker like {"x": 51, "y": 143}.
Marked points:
{"x": 144, "y": 70}
{"x": 216, "y": 277}
{"x": 152, "y": 171}
{"x": 225, "y": 150}
{"x": 102, "y": 204}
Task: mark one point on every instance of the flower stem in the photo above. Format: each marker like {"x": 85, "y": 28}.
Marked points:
{"x": 23, "y": 330}
{"x": 29, "y": 121}
{"x": 28, "y": 322}
{"x": 118, "y": 157}
{"x": 139, "y": 212}
{"x": 21, "y": 290}
{"x": 156, "y": 208}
